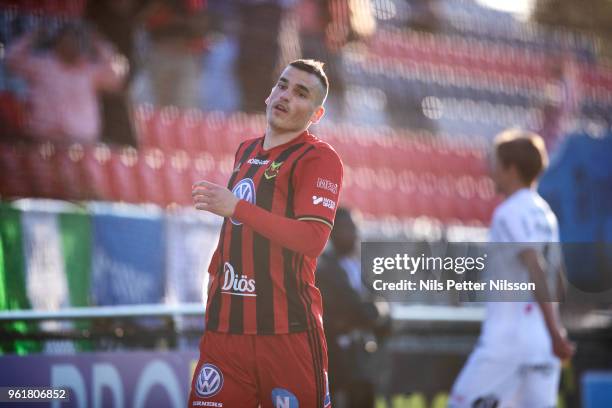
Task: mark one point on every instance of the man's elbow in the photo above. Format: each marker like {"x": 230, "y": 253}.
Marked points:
{"x": 316, "y": 249}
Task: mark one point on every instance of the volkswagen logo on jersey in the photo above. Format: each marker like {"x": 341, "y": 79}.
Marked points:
{"x": 209, "y": 381}
{"x": 244, "y": 190}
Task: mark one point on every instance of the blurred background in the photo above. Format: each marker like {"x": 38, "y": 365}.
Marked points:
{"x": 110, "y": 110}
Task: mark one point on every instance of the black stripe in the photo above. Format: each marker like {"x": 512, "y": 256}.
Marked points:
{"x": 317, "y": 343}
{"x": 236, "y": 319}
{"x": 215, "y": 305}
{"x": 315, "y": 349}
{"x": 305, "y": 309}
{"x": 244, "y": 156}
{"x": 261, "y": 252}
{"x": 318, "y": 362}
{"x": 296, "y": 315}
{"x": 321, "y": 372}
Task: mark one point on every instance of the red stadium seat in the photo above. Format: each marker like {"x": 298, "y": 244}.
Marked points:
{"x": 179, "y": 177}
{"x": 123, "y": 175}
{"x": 68, "y": 164}
{"x": 14, "y": 179}
{"x": 96, "y": 172}
{"x": 150, "y": 176}
{"x": 214, "y": 129}
{"x": 143, "y": 122}
{"x": 204, "y": 166}
{"x": 41, "y": 170}
{"x": 12, "y": 113}
{"x": 189, "y": 131}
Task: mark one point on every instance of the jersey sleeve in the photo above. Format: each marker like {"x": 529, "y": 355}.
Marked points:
{"x": 317, "y": 181}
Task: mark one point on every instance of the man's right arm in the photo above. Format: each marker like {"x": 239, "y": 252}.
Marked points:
{"x": 562, "y": 348}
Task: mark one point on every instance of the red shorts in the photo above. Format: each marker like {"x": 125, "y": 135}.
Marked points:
{"x": 271, "y": 371}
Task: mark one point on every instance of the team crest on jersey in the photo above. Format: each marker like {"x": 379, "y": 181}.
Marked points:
{"x": 244, "y": 190}
{"x": 272, "y": 170}
{"x": 209, "y": 381}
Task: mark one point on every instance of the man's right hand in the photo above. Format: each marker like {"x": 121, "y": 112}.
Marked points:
{"x": 562, "y": 347}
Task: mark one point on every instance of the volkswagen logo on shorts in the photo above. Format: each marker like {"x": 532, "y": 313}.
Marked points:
{"x": 209, "y": 381}
{"x": 244, "y": 190}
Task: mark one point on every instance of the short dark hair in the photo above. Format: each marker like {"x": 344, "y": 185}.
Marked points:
{"x": 525, "y": 150}
{"x": 75, "y": 29}
{"x": 313, "y": 67}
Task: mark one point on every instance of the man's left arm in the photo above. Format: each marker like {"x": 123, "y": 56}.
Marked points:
{"x": 111, "y": 68}
{"x": 309, "y": 231}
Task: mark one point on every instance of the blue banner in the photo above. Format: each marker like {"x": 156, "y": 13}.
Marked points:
{"x": 128, "y": 255}
{"x": 134, "y": 379}
{"x": 190, "y": 242}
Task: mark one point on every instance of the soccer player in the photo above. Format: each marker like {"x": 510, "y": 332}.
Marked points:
{"x": 517, "y": 360}
{"x": 263, "y": 342}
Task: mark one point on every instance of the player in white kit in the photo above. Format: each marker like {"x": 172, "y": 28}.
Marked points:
{"x": 516, "y": 363}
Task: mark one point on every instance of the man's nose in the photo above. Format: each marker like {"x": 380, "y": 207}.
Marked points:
{"x": 284, "y": 94}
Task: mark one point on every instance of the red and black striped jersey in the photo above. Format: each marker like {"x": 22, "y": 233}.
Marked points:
{"x": 256, "y": 285}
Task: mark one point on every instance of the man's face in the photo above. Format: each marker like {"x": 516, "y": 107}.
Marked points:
{"x": 68, "y": 48}
{"x": 294, "y": 101}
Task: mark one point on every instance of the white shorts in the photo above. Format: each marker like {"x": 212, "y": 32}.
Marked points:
{"x": 488, "y": 381}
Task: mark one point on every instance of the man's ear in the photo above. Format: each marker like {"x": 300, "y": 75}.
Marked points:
{"x": 317, "y": 115}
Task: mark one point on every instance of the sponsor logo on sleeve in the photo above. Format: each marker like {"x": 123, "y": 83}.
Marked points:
{"x": 325, "y": 184}
{"x": 325, "y": 202}
{"x": 282, "y": 398}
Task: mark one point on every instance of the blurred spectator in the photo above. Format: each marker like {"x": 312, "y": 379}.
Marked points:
{"x": 561, "y": 100}
{"x": 352, "y": 320}
{"x": 177, "y": 32}
{"x": 118, "y": 21}
{"x": 423, "y": 16}
{"x": 258, "y": 50}
{"x": 63, "y": 83}
{"x": 324, "y": 30}
{"x": 222, "y": 91}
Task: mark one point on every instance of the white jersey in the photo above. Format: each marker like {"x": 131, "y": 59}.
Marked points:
{"x": 525, "y": 220}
